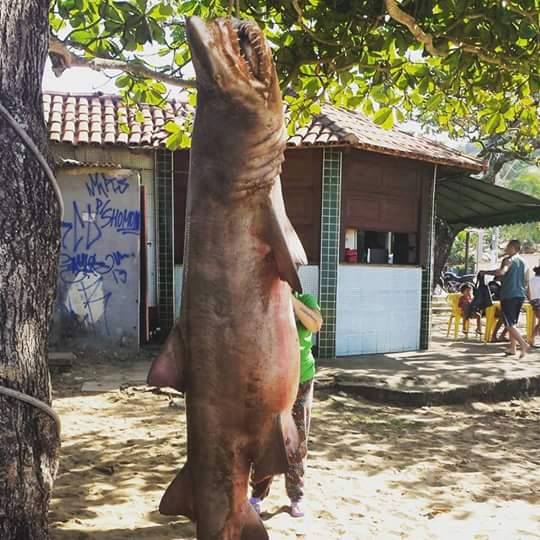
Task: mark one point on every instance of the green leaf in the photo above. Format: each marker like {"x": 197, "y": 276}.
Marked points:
{"x": 139, "y": 117}
{"x": 315, "y": 108}
{"x": 188, "y": 7}
{"x": 433, "y": 102}
{"x": 493, "y": 123}
{"x": 383, "y": 118}
{"x": 161, "y": 11}
{"x": 181, "y": 57}
{"x": 312, "y": 86}
{"x": 123, "y": 81}
{"x": 416, "y": 98}
{"x": 142, "y": 33}
{"x": 534, "y": 83}
{"x": 423, "y": 86}
{"x": 400, "y": 117}
{"x": 174, "y": 141}
{"x": 171, "y": 127}
{"x": 379, "y": 94}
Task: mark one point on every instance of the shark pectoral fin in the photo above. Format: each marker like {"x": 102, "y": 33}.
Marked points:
{"x": 253, "y": 528}
{"x": 282, "y": 445}
{"x": 284, "y": 242}
{"x": 178, "y": 498}
{"x": 167, "y": 369}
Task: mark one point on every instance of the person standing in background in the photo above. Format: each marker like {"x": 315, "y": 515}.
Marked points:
{"x": 534, "y": 297}
{"x": 514, "y": 291}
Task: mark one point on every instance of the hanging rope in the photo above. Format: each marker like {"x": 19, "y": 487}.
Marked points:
{"x": 34, "y": 402}
{"x": 38, "y": 155}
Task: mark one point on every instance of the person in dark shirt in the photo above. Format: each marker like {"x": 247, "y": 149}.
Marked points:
{"x": 514, "y": 290}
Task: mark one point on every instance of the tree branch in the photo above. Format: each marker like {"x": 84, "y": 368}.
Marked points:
{"x": 300, "y": 13}
{"x": 427, "y": 39}
{"x": 62, "y": 58}
{"x": 410, "y": 22}
{"x": 532, "y": 15}
{"x": 477, "y": 51}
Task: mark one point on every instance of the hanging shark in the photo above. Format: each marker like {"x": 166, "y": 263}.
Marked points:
{"x": 234, "y": 350}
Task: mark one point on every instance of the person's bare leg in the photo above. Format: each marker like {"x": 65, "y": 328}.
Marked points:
{"x": 536, "y": 329}
{"x": 494, "y": 338}
{"x": 479, "y": 324}
{"x": 512, "y": 348}
{"x": 516, "y": 337}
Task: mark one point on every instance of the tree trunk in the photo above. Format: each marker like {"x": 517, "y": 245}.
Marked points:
{"x": 29, "y": 242}
{"x": 445, "y": 235}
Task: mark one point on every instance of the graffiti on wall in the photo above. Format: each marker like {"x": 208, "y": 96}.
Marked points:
{"x": 98, "y": 266}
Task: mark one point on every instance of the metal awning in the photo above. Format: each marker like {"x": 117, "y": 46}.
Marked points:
{"x": 471, "y": 202}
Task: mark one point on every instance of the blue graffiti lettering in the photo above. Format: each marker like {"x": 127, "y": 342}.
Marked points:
{"x": 120, "y": 276}
{"x": 89, "y": 270}
{"x": 85, "y": 227}
{"x": 123, "y": 220}
{"x": 102, "y": 185}
{"x": 89, "y": 221}
{"x": 80, "y": 266}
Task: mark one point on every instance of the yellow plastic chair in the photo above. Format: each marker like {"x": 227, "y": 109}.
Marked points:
{"x": 491, "y": 320}
{"x": 529, "y": 314}
{"x": 455, "y": 315}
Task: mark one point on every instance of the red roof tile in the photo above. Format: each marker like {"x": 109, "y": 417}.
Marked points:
{"x": 100, "y": 119}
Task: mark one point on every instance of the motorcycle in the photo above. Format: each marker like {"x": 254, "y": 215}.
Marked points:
{"x": 452, "y": 282}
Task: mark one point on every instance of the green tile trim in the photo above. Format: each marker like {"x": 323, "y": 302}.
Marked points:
{"x": 330, "y": 237}
{"x": 428, "y": 232}
{"x": 163, "y": 179}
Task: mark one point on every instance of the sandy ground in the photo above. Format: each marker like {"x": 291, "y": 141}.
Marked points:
{"x": 375, "y": 472}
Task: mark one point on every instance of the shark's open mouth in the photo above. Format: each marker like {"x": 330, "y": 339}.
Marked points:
{"x": 253, "y": 50}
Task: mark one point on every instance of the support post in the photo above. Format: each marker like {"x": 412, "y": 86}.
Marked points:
{"x": 165, "y": 239}
{"x": 467, "y": 249}
{"x": 330, "y": 237}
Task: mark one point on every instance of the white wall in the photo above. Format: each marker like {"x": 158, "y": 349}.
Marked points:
{"x": 309, "y": 277}
{"x": 378, "y": 309}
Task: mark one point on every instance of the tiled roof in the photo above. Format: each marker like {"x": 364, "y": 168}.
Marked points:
{"x": 99, "y": 119}
{"x": 340, "y": 126}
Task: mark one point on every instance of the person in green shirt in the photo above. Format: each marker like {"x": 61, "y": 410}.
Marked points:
{"x": 308, "y": 322}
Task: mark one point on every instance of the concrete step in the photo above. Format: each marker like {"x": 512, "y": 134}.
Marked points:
{"x": 61, "y": 360}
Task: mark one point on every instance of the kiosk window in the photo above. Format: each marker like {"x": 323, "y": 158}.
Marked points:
{"x": 378, "y": 247}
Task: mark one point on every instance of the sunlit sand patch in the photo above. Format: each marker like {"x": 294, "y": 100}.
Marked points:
{"x": 374, "y": 472}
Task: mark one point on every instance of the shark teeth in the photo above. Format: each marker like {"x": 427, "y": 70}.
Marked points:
{"x": 252, "y": 49}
